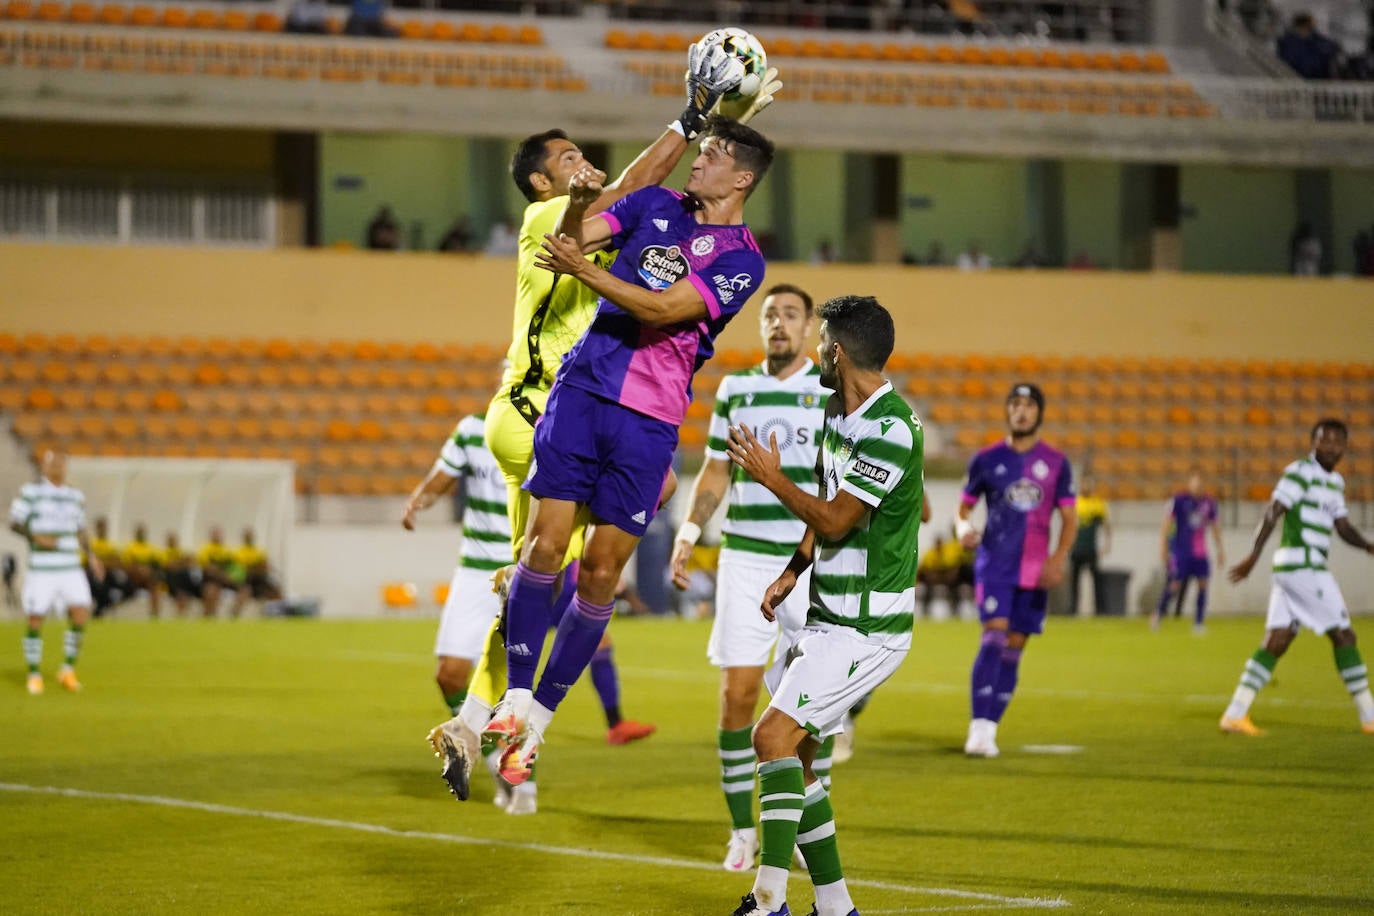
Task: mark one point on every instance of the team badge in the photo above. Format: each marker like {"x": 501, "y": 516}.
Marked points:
{"x": 807, "y": 400}
{"x": 1040, "y": 469}
{"x": 703, "y": 245}
{"x": 990, "y": 604}
{"x": 846, "y": 449}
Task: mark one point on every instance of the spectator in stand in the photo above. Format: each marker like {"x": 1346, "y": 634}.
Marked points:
{"x": 368, "y": 17}
{"x": 824, "y": 252}
{"x": 974, "y": 258}
{"x": 1305, "y": 252}
{"x": 1082, "y": 261}
{"x": 458, "y": 237}
{"x": 308, "y": 17}
{"x": 1311, "y": 54}
{"x": 384, "y": 233}
{"x": 1349, "y": 22}
{"x": 504, "y": 241}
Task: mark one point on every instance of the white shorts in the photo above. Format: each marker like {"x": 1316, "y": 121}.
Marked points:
{"x": 827, "y": 672}
{"x": 468, "y": 613}
{"x": 740, "y": 636}
{"x": 1307, "y": 597}
{"x": 54, "y": 591}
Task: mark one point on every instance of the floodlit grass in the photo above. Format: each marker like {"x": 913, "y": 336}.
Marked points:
{"x": 280, "y": 766}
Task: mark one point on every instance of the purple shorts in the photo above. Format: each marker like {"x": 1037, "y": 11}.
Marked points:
{"x": 1185, "y": 567}
{"x": 593, "y": 451}
{"x": 1022, "y": 608}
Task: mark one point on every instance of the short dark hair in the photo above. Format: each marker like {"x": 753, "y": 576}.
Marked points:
{"x": 529, "y": 158}
{"x": 863, "y": 327}
{"x": 797, "y": 291}
{"x": 1330, "y": 423}
{"x": 753, "y": 151}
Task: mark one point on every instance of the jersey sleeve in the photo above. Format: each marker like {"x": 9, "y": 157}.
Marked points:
{"x": 729, "y": 281}
{"x": 20, "y": 510}
{"x": 719, "y": 430}
{"x": 1291, "y": 488}
{"x": 974, "y": 486}
{"x": 624, "y": 215}
{"x": 879, "y": 464}
{"x": 453, "y": 459}
{"x": 1065, "y": 490}
{"x": 1338, "y": 507}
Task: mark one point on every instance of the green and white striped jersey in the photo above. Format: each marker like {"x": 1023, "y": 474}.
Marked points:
{"x": 792, "y": 409}
{"x": 486, "y": 527}
{"x": 1315, "y": 498}
{"x": 45, "y": 508}
{"x": 867, "y": 579}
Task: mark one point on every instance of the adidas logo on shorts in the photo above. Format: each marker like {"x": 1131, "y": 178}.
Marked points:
{"x": 640, "y": 517}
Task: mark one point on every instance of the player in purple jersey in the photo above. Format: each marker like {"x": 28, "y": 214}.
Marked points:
{"x": 1024, "y": 482}
{"x": 1183, "y": 544}
{"x": 686, "y": 265}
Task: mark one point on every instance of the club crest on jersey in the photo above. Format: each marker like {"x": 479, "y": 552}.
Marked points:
{"x": 846, "y": 449}
{"x": 1024, "y": 495}
{"x": 808, "y": 400}
{"x": 703, "y": 245}
{"x": 1040, "y": 469}
{"x": 661, "y": 266}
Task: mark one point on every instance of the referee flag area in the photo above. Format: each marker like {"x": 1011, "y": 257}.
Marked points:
{"x": 281, "y": 765}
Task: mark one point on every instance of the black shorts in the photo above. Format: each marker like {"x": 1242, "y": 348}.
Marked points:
{"x": 183, "y": 583}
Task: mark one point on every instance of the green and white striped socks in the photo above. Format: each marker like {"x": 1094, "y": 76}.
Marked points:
{"x": 824, "y": 761}
{"x": 737, "y": 761}
{"x": 71, "y": 643}
{"x": 816, "y": 837}
{"x": 1258, "y": 669}
{"x": 1356, "y": 677}
{"x": 781, "y": 796}
{"x": 33, "y": 649}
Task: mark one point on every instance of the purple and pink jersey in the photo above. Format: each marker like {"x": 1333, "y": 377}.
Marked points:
{"x": 1191, "y": 516}
{"x": 1022, "y": 493}
{"x": 647, "y": 369}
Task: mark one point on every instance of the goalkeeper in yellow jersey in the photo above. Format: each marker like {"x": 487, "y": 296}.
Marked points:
{"x": 551, "y": 313}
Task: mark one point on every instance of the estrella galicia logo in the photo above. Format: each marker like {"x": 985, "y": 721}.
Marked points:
{"x": 661, "y": 266}
{"x": 1024, "y": 495}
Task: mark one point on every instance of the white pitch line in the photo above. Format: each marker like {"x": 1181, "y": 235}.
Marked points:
{"x": 992, "y": 900}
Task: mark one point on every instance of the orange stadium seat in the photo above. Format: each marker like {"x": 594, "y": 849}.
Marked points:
{"x": 174, "y": 17}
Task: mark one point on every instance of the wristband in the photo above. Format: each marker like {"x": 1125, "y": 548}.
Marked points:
{"x": 962, "y": 528}
{"x": 689, "y": 532}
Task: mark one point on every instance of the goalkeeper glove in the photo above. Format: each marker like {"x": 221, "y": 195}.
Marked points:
{"x": 742, "y": 109}
{"x": 710, "y": 73}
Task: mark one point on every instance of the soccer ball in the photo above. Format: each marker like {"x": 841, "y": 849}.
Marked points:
{"x": 745, "y": 48}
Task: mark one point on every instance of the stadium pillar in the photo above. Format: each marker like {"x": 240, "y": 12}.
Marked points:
{"x": 1045, "y": 210}
{"x": 1312, "y": 194}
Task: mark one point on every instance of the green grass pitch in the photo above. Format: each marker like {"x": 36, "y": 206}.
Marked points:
{"x": 280, "y": 766}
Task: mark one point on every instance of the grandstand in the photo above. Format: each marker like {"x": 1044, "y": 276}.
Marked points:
{"x": 1140, "y": 134}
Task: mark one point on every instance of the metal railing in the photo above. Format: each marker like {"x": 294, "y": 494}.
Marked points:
{"x": 134, "y": 210}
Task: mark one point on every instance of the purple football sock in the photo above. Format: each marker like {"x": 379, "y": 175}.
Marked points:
{"x": 579, "y": 633}
{"x": 527, "y": 622}
{"x": 1006, "y": 683}
{"x": 607, "y": 685}
{"x": 567, "y": 580}
{"x": 986, "y": 666}
{"x": 1201, "y": 614}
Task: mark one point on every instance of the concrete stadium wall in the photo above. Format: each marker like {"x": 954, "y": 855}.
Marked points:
{"x": 388, "y": 296}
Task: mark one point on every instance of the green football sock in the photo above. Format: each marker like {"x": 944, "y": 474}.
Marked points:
{"x": 1353, "y": 671}
{"x": 781, "y": 794}
{"x": 71, "y": 643}
{"x": 737, "y": 762}
{"x": 33, "y": 649}
{"x": 816, "y": 837}
{"x": 824, "y": 759}
{"x": 455, "y": 700}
